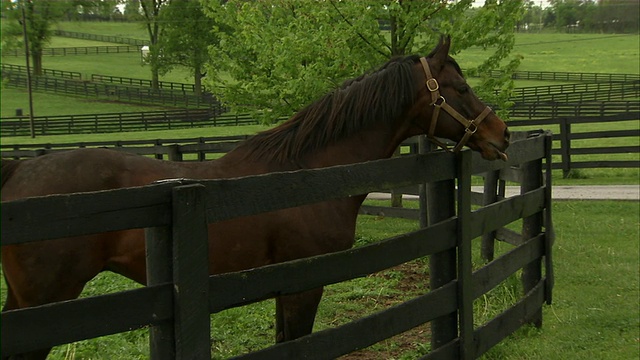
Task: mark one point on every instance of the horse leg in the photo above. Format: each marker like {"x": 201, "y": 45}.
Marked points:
{"x": 295, "y": 314}
{"x": 34, "y": 278}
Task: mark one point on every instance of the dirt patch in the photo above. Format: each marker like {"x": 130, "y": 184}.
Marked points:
{"x": 411, "y": 280}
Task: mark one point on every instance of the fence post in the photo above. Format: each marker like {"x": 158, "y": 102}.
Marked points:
{"x": 465, "y": 266}
{"x": 565, "y": 145}
{"x": 159, "y": 270}
{"x": 531, "y": 227}
{"x": 396, "y": 194}
{"x": 174, "y": 153}
{"x": 442, "y": 266}
{"x": 490, "y": 195}
{"x": 191, "y": 273}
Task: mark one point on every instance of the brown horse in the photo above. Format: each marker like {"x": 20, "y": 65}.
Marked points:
{"x": 365, "y": 119}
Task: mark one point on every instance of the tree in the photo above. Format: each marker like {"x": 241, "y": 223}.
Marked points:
{"x": 282, "y": 54}
{"x": 40, "y": 16}
{"x": 152, "y": 21}
{"x": 186, "y": 37}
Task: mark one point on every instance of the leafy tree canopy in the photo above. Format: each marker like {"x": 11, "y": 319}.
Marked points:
{"x": 280, "y": 55}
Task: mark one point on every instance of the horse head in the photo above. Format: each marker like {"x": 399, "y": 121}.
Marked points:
{"x": 448, "y": 108}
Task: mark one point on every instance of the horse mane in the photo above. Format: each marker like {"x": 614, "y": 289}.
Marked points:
{"x": 7, "y": 167}
{"x": 382, "y": 95}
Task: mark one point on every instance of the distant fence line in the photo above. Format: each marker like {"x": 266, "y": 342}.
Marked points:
{"x": 137, "y": 121}
{"x": 114, "y": 92}
{"x": 568, "y": 93}
{"x": 180, "y": 149}
{"x": 142, "y": 82}
{"x": 79, "y": 50}
{"x": 47, "y": 72}
{"x": 103, "y": 38}
{"x": 552, "y": 110}
{"x": 120, "y": 122}
{"x": 564, "y": 76}
{"x": 577, "y": 93}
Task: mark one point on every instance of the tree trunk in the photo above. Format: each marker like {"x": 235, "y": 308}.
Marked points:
{"x": 36, "y": 57}
{"x": 197, "y": 81}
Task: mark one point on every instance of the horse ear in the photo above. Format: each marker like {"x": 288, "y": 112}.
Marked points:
{"x": 441, "y": 52}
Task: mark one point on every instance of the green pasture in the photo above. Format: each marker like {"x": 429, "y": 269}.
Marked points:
{"x": 133, "y": 30}
{"x": 50, "y": 104}
{"x": 593, "y": 53}
{"x": 594, "y": 315}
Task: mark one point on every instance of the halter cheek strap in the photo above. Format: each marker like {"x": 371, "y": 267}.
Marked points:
{"x": 439, "y": 102}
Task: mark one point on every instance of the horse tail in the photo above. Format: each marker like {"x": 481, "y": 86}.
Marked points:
{"x": 8, "y": 167}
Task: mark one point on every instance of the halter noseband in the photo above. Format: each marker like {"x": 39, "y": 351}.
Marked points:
{"x": 439, "y": 102}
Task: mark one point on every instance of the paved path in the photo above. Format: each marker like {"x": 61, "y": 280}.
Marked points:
{"x": 595, "y": 192}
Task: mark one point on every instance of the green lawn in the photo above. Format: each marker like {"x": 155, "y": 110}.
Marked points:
{"x": 49, "y": 104}
{"x": 133, "y": 30}
{"x": 591, "y": 53}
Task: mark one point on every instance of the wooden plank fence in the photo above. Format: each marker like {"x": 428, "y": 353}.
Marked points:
{"x": 142, "y": 82}
{"x": 576, "y": 93}
{"x": 103, "y": 38}
{"x": 78, "y": 50}
{"x": 119, "y": 122}
{"x": 113, "y": 92}
{"x": 564, "y": 140}
{"x": 154, "y": 206}
{"x": 565, "y": 76}
{"x": 47, "y": 72}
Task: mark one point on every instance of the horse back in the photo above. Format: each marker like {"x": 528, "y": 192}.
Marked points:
{"x": 8, "y": 167}
{"x": 81, "y": 170}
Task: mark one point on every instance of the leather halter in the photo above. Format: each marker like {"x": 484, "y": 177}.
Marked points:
{"x": 439, "y": 102}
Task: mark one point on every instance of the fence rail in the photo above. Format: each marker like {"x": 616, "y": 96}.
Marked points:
{"x": 179, "y": 149}
{"x": 129, "y": 94}
{"x": 119, "y": 122}
{"x": 47, "y": 72}
{"x": 551, "y": 110}
{"x": 449, "y": 304}
{"x": 79, "y": 50}
{"x": 566, "y": 76}
{"x": 103, "y": 38}
{"x": 576, "y": 93}
{"x": 142, "y": 82}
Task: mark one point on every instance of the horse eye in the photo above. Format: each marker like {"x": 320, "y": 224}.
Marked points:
{"x": 463, "y": 89}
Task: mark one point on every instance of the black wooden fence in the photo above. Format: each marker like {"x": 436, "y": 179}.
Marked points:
{"x": 142, "y": 82}
{"x": 103, "y": 38}
{"x": 113, "y": 92}
{"x": 47, "y": 72}
{"x": 183, "y": 149}
{"x": 78, "y": 50}
{"x": 118, "y": 122}
{"x": 576, "y": 93}
{"x": 446, "y": 236}
{"x": 566, "y": 76}
{"x": 565, "y": 136}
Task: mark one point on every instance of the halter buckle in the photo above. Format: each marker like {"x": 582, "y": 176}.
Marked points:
{"x": 439, "y": 101}
{"x": 471, "y": 128}
{"x": 432, "y": 84}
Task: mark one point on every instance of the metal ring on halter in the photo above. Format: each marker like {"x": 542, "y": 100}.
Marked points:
{"x": 439, "y": 101}
{"x": 473, "y": 124}
{"x": 430, "y": 85}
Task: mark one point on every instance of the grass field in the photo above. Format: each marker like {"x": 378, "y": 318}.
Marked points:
{"x": 595, "y": 314}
